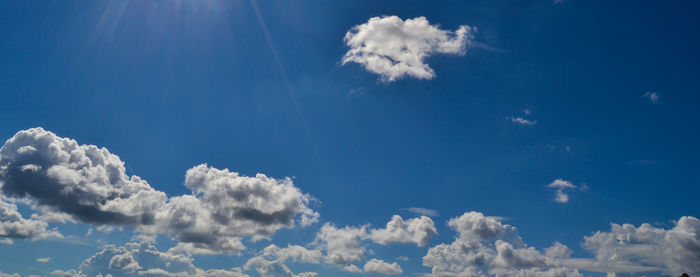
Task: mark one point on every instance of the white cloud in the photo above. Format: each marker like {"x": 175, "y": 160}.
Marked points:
{"x": 36, "y": 165}
{"x": 143, "y": 259}
{"x": 394, "y": 48}
{"x": 91, "y": 181}
{"x": 9, "y": 275}
{"x": 43, "y": 260}
{"x": 522, "y": 121}
{"x": 485, "y": 246}
{"x": 382, "y": 267}
{"x": 560, "y": 185}
{"x": 271, "y": 261}
{"x": 12, "y": 225}
{"x": 652, "y": 96}
{"x": 226, "y": 206}
{"x": 674, "y": 251}
{"x": 342, "y": 245}
{"x": 417, "y": 230}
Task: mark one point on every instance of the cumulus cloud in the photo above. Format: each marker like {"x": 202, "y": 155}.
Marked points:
{"x": 12, "y": 225}
{"x": 626, "y": 248}
{"x": 270, "y": 263}
{"x": 417, "y": 230}
{"x": 485, "y": 246}
{"x": 84, "y": 181}
{"x": 394, "y": 48}
{"x": 342, "y": 245}
{"x": 134, "y": 259}
{"x": 560, "y": 185}
{"x": 652, "y": 96}
{"x": 89, "y": 184}
{"x": 382, "y": 267}
{"x": 226, "y": 206}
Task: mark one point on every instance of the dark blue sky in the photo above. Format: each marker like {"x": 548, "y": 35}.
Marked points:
{"x": 167, "y": 85}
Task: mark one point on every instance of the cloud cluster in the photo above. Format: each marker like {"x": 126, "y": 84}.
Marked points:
{"x": 628, "y": 248}
{"x": 133, "y": 259}
{"x": 485, "y": 246}
{"x": 345, "y": 247}
{"x": 89, "y": 184}
{"x": 394, "y": 48}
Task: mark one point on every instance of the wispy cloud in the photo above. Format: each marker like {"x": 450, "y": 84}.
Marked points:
{"x": 422, "y": 211}
{"x": 522, "y": 121}
{"x": 652, "y": 96}
{"x": 43, "y": 260}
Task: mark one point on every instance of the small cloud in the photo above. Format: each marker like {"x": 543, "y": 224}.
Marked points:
{"x": 527, "y": 111}
{"x": 558, "y": 1}
{"x": 43, "y": 260}
{"x": 522, "y": 121}
{"x": 561, "y": 185}
{"x": 358, "y": 91}
{"x": 422, "y": 211}
{"x": 6, "y": 241}
{"x": 652, "y": 96}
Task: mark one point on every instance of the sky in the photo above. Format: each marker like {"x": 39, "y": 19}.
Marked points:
{"x": 349, "y": 138}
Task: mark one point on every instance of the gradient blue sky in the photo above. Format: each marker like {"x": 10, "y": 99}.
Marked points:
{"x": 168, "y": 85}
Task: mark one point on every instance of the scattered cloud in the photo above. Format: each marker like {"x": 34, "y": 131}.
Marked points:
{"x": 521, "y": 121}
{"x": 43, "y": 260}
{"x": 561, "y": 185}
{"x": 394, "y": 48}
{"x": 652, "y": 96}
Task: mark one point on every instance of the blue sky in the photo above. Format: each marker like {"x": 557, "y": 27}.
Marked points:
{"x": 541, "y": 122}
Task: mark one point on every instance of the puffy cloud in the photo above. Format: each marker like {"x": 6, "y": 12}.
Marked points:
{"x": 12, "y": 225}
{"x": 416, "y": 230}
{"x": 342, "y": 245}
{"x": 382, "y": 267}
{"x": 560, "y": 185}
{"x": 83, "y": 181}
{"x": 394, "y": 48}
{"x": 67, "y": 181}
{"x": 226, "y": 206}
{"x": 485, "y": 246}
{"x": 626, "y": 248}
{"x": 558, "y": 250}
{"x": 270, "y": 263}
{"x": 143, "y": 259}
